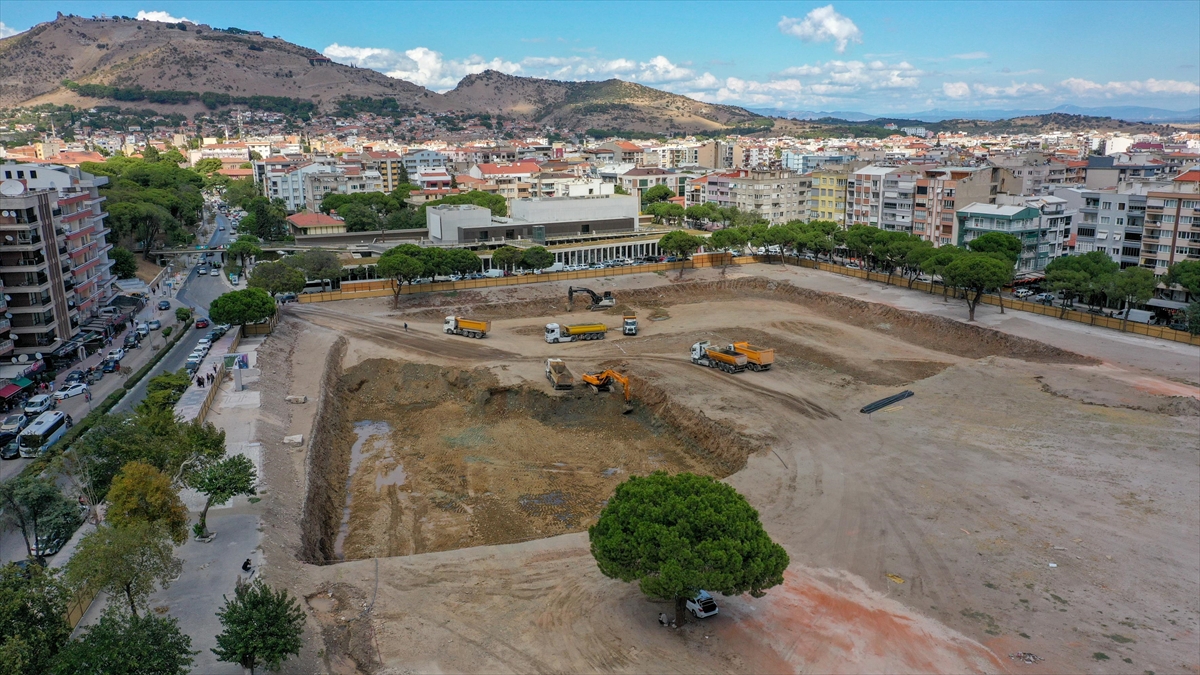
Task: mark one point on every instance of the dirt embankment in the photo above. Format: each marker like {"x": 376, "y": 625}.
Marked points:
{"x": 925, "y": 330}
{"x": 327, "y": 463}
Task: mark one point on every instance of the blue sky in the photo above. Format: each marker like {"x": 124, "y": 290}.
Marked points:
{"x": 874, "y": 57}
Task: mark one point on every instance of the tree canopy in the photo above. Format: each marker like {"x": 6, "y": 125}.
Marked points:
{"x": 1088, "y": 276}
{"x": 127, "y": 644}
{"x": 124, "y": 262}
{"x": 33, "y": 623}
{"x": 316, "y": 264}
{"x": 149, "y": 201}
{"x": 677, "y": 535}
{"x": 537, "y": 258}
{"x": 248, "y": 305}
{"x": 658, "y": 193}
{"x": 1002, "y": 244}
{"x": 129, "y": 561}
{"x": 221, "y": 481}
{"x": 37, "y": 508}
{"x": 977, "y": 273}
{"x": 142, "y": 493}
{"x": 276, "y": 277}
{"x": 262, "y": 627}
{"x": 1186, "y": 273}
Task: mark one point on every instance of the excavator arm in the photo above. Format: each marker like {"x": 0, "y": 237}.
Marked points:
{"x": 603, "y": 380}
{"x": 571, "y": 291}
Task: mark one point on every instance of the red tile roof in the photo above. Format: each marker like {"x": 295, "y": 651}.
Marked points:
{"x": 312, "y": 220}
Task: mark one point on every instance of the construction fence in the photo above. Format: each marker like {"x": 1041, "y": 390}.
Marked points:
{"x": 384, "y": 288}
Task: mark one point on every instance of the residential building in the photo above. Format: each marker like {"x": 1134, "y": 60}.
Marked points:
{"x": 562, "y": 184}
{"x": 777, "y": 195}
{"x": 625, "y": 152}
{"x": 1108, "y": 220}
{"x": 827, "y": 195}
{"x": 287, "y": 183}
{"x": 54, "y": 263}
{"x": 1104, "y": 172}
{"x": 671, "y": 156}
{"x": 1033, "y": 173}
{"x": 883, "y": 197}
{"x": 226, "y": 152}
{"x": 390, "y": 165}
{"x": 1054, "y": 224}
{"x": 1023, "y": 222}
{"x": 939, "y": 190}
{"x": 1172, "y": 226}
{"x": 802, "y": 162}
{"x": 715, "y": 154}
{"x": 752, "y": 155}
{"x": 513, "y": 180}
{"x": 422, "y": 159}
{"x": 636, "y": 181}
{"x": 346, "y": 180}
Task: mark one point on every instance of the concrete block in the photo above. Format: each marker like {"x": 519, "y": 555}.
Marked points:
{"x": 297, "y": 399}
{"x": 298, "y": 439}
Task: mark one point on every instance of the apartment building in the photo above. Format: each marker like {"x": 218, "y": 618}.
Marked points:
{"x": 827, "y": 195}
{"x": 1172, "y": 225}
{"x": 625, "y": 152}
{"x": 938, "y": 192}
{"x": 1023, "y": 222}
{"x": 346, "y": 180}
{"x": 747, "y": 155}
{"x": 54, "y": 263}
{"x": 287, "y": 183}
{"x": 715, "y": 155}
{"x": 563, "y": 184}
{"x": 777, "y": 195}
{"x": 1108, "y": 172}
{"x": 1110, "y": 220}
{"x": 1054, "y": 223}
{"x": 805, "y": 162}
{"x": 636, "y": 181}
{"x": 390, "y": 166}
{"x": 882, "y": 196}
{"x": 671, "y": 156}
{"x": 422, "y": 159}
{"x": 512, "y": 180}
{"x": 1033, "y": 173}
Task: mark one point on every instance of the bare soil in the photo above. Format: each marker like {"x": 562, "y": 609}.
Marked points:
{"x": 921, "y": 536}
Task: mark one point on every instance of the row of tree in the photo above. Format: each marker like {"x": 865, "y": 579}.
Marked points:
{"x": 136, "y": 463}
{"x": 150, "y": 200}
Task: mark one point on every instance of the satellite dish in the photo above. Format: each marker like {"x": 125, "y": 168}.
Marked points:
{"x": 8, "y": 315}
{"x": 12, "y": 188}
{"x": 14, "y": 359}
{"x": 23, "y": 358}
{"x": 7, "y": 297}
{"x": 6, "y": 214}
{"x": 38, "y": 355}
{"x": 8, "y": 237}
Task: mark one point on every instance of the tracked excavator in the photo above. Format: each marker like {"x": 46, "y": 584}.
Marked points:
{"x": 603, "y": 381}
{"x": 598, "y": 302}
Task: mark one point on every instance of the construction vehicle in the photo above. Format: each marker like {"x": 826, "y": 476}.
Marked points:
{"x": 559, "y": 376}
{"x": 629, "y": 327}
{"x": 603, "y": 381}
{"x": 598, "y": 302}
{"x": 585, "y": 331}
{"x": 705, "y": 354}
{"x": 459, "y": 325}
{"x": 757, "y": 358}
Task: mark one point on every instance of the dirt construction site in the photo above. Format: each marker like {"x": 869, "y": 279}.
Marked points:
{"x": 1033, "y": 507}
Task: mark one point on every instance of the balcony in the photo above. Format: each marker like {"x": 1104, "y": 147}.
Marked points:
{"x": 6, "y": 346}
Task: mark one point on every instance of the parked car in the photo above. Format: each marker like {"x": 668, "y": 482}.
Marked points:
{"x": 9, "y": 447}
{"x": 132, "y": 341}
{"x": 1022, "y": 293}
{"x": 115, "y": 354}
{"x": 286, "y": 297}
{"x": 110, "y": 366}
{"x": 1045, "y": 298}
{"x": 48, "y": 544}
{"x": 73, "y": 390}
{"x": 201, "y": 323}
{"x": 39, "y": 404}
{"x": 164, "y": 305}
{"x": 13, "y": 424}
{"x": 853, "y": 266}
{"x": 221, "y": 329}
{"x": 75, "y": 376}
{"x": 702, "y": 606}
{"x": 204, "y": 342}
{"x": 143, "y": 329}
{"x": 214, "y": 272}
{"x": 154, "y": 324}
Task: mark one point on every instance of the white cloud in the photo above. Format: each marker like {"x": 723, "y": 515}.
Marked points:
{"x": 822, "y": 25}
{"x": 419, "y": 65}
{"x": 5, "y": 31}
{"x": 956, "y": 89}
{"x": 971, "y": 56}
{"x": 1081, "y": 87}
{"x": 857, "y": 75}
{"x": 163, "y": 17}
{"x": 660, "y": 69}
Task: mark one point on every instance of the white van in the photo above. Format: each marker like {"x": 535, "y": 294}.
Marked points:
{"x": 494, "y": 273}
{"x": 1136, "y": 315}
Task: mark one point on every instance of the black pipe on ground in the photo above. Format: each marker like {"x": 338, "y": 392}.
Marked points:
{"x": 885, "y": 402}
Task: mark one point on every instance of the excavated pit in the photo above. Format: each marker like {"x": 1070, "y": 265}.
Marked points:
{"x": 420, "y": 458}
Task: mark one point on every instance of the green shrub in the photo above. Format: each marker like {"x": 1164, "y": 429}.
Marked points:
{"x": 167, "y": 331}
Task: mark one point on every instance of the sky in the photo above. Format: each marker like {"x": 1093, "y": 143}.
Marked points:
{"x": 881, "y": 58}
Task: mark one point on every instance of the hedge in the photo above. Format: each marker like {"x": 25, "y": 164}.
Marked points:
{"x": 82, "y": 426}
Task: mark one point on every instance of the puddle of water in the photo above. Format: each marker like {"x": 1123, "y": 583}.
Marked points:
{"x": 365, "y": 431}
{"x": 608, "y": 473}
{"x": 395, "y": 476}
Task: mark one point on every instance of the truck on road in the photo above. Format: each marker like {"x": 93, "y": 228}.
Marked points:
{"x": 460, "y": 325}
{"x": 630, "y": 325}
{"x": 757, "y": 358}
{"x": 586, "y": 331}
{"x": 728, "y": 360}
{"x": 558, "y": 374}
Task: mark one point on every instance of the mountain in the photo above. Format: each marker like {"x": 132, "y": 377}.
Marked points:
{"x": 128, "y": 53}
{"x": 1129, "y": 113}
{"x": 611, "y": 104}
{"x": 169, "y": 67}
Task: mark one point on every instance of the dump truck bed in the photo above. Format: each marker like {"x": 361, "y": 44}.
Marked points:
{"x": 579, "y": 329}
{"x": 472, "y": 324}
{"x": 763, "y": 356}
{"x": 725, "y": 357}
{"x": 558, "y": 374}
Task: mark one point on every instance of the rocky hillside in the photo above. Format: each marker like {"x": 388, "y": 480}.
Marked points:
{"x": 124, "y": 60}
{"x": 159, "y": 56}
{"x": 611, "y": 104}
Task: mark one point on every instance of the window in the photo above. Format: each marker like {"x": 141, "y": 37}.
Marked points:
{"x": 1087, "y": 232}
{"x": 1104, "y": 220}
{"x": 33, "y": 174}
{"x": 1181, "y": 250}
{"x": 1106, "y": 206}
{"x": 1190, "y": 204}
{"x": 20, "y": 174}
{"x": 8, "y": 175}
{"x": 1120, "y": 221}
{"x": 586, "y": 228}
{"x": 1164, "y": 248}
{"x": 1168, "y": 203}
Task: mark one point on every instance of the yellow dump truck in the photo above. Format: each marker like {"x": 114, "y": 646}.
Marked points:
{"x": 558, "y": 374}
{"x": 586, "y": 331}
{"x": 705, "y": 354}
{"x": 630, "y": 324}
{"x": 757, "y": 358}
{"x": 460, "y": 325}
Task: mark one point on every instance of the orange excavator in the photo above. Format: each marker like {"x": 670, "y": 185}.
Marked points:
{"x": 603, "y": 381}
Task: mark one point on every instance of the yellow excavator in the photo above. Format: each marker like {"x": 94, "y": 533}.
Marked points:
{"x": 603, "y": 381}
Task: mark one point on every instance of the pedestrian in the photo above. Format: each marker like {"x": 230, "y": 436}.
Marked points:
{"x": 405, "y": 326}
{"x": 87, "y": 395}
{"x": 246, "y": 565}
{"x": 200, "y": 382}
{"x": 662, "y": 619}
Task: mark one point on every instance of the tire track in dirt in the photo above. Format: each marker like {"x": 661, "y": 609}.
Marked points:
{"x": 389, "y": 335}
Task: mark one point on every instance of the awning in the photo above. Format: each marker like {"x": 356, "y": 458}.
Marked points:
{"x": 9, "y": 390}
{"x": 1166, "y": 304}
{"x": 23, "y": 382}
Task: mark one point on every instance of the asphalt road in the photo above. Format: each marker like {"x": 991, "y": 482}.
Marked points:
{"x": 196, "y": 291}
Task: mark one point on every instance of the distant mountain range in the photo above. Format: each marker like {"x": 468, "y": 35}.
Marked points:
{"x": 1130, "y": 113}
